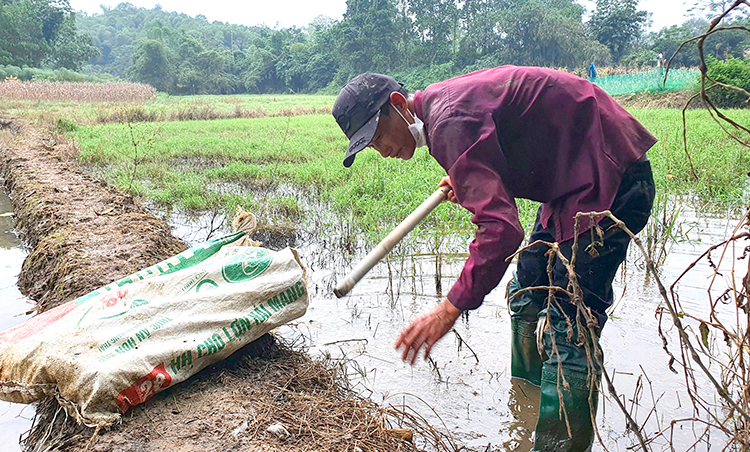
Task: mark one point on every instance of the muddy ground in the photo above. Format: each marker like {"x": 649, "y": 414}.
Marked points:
{"x": 83, "y": 234}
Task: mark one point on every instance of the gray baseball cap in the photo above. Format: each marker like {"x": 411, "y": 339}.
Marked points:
{"x": 357, "y": 109}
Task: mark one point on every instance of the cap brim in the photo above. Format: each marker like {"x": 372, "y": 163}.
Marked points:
{"x": 361, "y": 139}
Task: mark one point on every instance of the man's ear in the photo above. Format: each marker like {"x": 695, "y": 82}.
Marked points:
{"x": 399, "y": 101}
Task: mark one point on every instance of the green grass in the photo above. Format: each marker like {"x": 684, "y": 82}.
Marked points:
{"x": 198, "y": 165}
{"x": 217, "y": 164}
{"x": 721, "y": 164}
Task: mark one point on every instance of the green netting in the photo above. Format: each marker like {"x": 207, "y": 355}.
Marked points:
{"x": 652, "y": 80}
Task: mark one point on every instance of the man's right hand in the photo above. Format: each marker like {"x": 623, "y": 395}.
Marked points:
{"x": 451, "y": 195}
{"x": 425, "y": 330}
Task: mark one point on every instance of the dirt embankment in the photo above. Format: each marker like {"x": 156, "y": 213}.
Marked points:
{"x": 671, "y": 99}
{"x": 83, "y": 235}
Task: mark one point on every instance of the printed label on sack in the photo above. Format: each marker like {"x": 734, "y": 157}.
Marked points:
{"x": 36, "y": 324}
{"x": 145, "y": 388}
{"x": 248, "y": 264}
{"x": 235, "y": 330}
{"x": 127, "y": 342}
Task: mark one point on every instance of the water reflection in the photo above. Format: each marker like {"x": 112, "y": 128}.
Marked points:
{"x": 523, "y": 401}
{"x": 15, "y": 419}
{"x": 8, "y": 238}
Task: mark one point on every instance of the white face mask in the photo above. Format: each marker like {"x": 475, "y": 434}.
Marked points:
{"x": 416, "y": 129}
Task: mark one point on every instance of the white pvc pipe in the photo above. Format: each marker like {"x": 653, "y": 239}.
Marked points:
{"x": 387, "y": 244}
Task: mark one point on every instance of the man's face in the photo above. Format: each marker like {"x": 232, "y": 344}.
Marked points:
{"x": 392, "y": 137}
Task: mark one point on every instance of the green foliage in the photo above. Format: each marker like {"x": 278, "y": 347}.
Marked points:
{"x": 150, "y": 65}
{"x": 22, "y": 42}
{"x": 418, "y": 78}
{"x": 720, "y": 45}
{"x": 617, "y": 24}
{"x": 734, "y": 72}
{"x": 419, "y": 41}
{"x": 437, "y": 25}
{"x": 58, "y": 75}
{"x": 640, "y": 58}
{"x": 668, "y": 40}
{"x": 367, "y": 35}
{"x": 547, "y": 33}
{"x": 71, "y": 50}
{"x": 36, "y": 33}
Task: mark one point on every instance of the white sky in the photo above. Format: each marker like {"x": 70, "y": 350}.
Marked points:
{"x": 299, "y": 13}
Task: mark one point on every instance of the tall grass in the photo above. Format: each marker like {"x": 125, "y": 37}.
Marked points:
{"x": 82, "y": 111}
{"x": 76, "y": 91}
{"x": 721, "y": 164}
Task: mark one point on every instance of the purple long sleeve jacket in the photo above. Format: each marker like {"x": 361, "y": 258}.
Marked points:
{"x": 525, "y": 132}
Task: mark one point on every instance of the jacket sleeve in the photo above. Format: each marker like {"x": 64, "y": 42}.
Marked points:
{"x": 477, "y": 182}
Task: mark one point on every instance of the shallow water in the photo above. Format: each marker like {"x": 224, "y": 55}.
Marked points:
{"x": 15, "y": 419}
{"x": 465, "y": 387}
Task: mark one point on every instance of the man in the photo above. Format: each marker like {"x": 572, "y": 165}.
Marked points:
{"x": 521, "y": 132}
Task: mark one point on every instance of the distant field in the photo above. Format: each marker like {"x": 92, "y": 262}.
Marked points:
{"x": 171, "y": 108}
{"x": 264, "y": 163}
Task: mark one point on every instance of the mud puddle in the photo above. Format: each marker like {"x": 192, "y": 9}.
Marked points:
{"x": 15, "y": 419}
{"x": 465, "y": 387}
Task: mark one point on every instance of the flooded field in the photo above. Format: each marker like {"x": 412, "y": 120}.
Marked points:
{"x": 465, "y": 387}
{"x": 14, "y": 418}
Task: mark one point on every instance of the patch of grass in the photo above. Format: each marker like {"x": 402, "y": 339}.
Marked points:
{"x": 218, "y": 164}
{"x": 237, "y": 161}
{"x": 720, "y": 163}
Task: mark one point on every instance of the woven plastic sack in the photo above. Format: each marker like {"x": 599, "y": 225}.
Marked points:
{"x": 117, "y": 346}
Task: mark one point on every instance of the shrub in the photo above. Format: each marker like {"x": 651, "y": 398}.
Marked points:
{"x": 65, "y": 125}
{"x": 734, "y": 72}
{"x": 419, "y": 78}
{"x": 27, "y": 74}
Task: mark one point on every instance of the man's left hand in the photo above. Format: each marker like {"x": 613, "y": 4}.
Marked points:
{"x": 426, "y": 329}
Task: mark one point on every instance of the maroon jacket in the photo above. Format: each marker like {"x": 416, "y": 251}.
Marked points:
{"x": 525, "y": 132}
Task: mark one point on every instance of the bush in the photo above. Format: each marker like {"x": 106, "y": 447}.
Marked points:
{"x": 27, "y": 74}
{"x": 65, "y": 125}
{"x": 419, "y": 78}
{"x": 734, "y": 72}
{"x": 640, "y": 59}
{"x": 9, "y": 71}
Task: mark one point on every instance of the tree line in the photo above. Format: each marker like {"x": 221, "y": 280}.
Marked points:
{"x": 417, "y": 41}
{"x": 36, "y": 33}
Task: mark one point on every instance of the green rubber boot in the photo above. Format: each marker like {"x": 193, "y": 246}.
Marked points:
{"x": 525, "y": 361}
{"x": 551, "y": 428}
